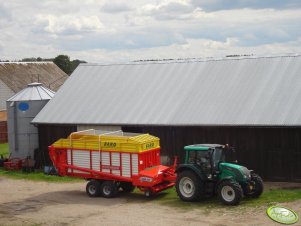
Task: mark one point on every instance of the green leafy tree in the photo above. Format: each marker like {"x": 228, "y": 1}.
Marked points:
{"x": 29, "y": 59}
{"x": 64, "y": 63}
{"x": 75, "y": 63}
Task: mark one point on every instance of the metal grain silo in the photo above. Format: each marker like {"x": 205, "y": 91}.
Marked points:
{"x": 21, "y": 110}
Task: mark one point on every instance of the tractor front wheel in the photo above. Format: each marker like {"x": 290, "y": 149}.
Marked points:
{"x": 258, "y": 187}
{"x": 230, "y": 192}
{"x": 189, "y": 186}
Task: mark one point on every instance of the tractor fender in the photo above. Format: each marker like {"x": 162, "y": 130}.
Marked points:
{"x": 189, "y": 167}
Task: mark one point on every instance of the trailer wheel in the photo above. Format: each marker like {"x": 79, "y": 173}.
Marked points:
{"x": 93, "y": 188}
{"x": 230, "y": 192}
{"x": 127, "y": 186}
{"x": 108, "y": 189}
{"x": 148, "y": 193}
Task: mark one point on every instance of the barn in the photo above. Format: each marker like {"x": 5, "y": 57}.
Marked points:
{"x": 251, "y": 103}
{"x": 15, "y": 76}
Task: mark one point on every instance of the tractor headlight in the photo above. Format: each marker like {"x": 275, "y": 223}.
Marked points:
{"x": 246, "y": 173}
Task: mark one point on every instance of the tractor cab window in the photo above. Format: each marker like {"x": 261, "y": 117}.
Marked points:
{"x": 201, "y": 158}
{"x": 218, "y": 156}
{"x": 196, "y": 157}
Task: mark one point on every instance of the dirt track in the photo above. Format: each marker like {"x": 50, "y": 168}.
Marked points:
{"x": 25, "y": 202}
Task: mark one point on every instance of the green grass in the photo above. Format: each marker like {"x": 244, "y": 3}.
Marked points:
{"x": 36, "y": 176}
{"x": 268, "y": 198}
{"x": 4, "y": 150}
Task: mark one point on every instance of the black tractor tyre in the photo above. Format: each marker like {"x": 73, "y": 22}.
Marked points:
{"x": 93, "y": 188}
{"x": 258, "y": 187}
{"x": 229, "y": 192}
{"x": 189, "y": 187}
{"x": 127, "y": 186}
{"x": 108, "y": 189}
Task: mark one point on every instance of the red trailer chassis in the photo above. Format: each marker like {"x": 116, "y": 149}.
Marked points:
{"x": 149, "y": 176}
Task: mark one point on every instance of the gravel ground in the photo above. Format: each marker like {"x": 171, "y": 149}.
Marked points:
{"x": 24, "y": 202}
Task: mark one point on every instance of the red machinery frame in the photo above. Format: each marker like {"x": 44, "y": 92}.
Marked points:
{"x": 152, "y": 177}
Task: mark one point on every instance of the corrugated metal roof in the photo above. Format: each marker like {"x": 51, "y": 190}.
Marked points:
{"x": 33, "y": 91}
{"x": 262, "y": 91}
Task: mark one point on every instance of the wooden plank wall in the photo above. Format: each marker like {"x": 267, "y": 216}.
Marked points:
{"x": 48, "y": 134}
{"x": 275, "y": 153}
{"x": 3, "y": 132}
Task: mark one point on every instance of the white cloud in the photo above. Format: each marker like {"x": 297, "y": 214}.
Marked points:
{"x": 69, "y": 24}
{"x": 107, "y": 31}
{"x": 115, "y": 7}
{"x": 193, "y": 48}
{"x": 168, "y": 9}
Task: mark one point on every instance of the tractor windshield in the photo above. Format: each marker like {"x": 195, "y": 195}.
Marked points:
{"x": 218, "y": 156}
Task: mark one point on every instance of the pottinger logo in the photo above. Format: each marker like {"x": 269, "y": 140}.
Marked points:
{"x": 282, "y": 215}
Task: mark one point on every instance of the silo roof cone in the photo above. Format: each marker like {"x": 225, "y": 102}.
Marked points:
{"x": 33, "y": 91}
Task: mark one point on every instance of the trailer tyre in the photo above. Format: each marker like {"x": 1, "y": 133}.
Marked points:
{"x": 108, "y": 189}
{"x": 93, "y": 188}
{"x": 148, "y": 193}
{"x": 189, "y": 186}
{"x": 258, "y": 183}
{"x": 127, "y": 186}
{"x": 229, "y": 192}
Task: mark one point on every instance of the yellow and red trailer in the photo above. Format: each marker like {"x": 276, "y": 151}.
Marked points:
{"x": 113, "y": 160}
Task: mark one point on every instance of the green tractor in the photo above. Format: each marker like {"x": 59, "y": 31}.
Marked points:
{"x": 206, "y": 173}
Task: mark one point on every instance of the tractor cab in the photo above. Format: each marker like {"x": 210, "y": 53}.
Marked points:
{"x": 207, "y": 157}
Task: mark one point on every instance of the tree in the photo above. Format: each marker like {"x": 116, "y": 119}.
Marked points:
{"x": 75, "y": 63}
{"x": 64, "y": 63}
{"x": 29, "y": 59}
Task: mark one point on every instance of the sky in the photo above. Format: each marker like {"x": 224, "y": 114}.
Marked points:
{"x": 103, "y": 31}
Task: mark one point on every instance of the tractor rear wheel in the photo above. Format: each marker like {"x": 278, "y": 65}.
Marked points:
{"x": 93, "y": 188}
{"x": 257, "y": 191}
{"x": 229, "y": 192}
{"x": 189, "y": 186}
{"x": 108, "y": 189}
